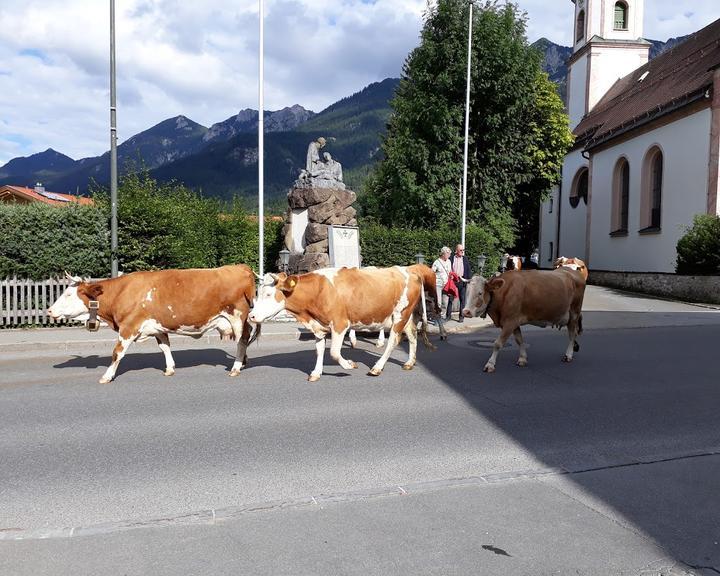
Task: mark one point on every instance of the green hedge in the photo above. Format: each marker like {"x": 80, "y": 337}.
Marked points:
{"x": 698, "y": 252}
{"x": 381, "y": 246}
{"x": 159, "y": 226}
{"x": 38, "y": 241}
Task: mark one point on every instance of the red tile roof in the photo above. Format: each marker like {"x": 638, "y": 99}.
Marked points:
{"x": 676, "y": 78}
{"x": 31, "y": 195}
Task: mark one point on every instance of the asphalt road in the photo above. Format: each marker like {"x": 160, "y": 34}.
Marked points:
{"x": 608, "y": 465}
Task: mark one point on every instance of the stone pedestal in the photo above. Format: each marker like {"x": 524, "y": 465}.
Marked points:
{"x": 314, "y": 205}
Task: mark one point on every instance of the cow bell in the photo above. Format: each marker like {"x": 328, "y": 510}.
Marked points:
{"x": 92, "y": 323}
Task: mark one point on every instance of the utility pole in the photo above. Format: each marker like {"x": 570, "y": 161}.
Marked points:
{"x": 113, "y": 151}
{"x": 467, "y": 127}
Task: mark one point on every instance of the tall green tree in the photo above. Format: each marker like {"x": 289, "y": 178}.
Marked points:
{"x": 518, "y": 131}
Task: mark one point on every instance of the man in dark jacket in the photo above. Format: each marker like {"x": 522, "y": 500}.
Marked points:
{"x": 461, "y": 266}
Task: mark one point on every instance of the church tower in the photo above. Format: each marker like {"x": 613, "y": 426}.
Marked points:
{"x": 608, "y": 45}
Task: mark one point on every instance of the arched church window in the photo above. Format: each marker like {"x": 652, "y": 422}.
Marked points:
{"x": 621, "y": 13}
{"x": 580, "y": 28}
{"x": 621, "y": 197}
{"x": 579, "y": 188}
{"x": 651, "y": 206}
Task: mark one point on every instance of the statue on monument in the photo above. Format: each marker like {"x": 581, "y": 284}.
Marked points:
{"x": 320, "y": 173}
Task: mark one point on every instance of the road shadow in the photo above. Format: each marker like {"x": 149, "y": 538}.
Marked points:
{"x": 301, "y": 360}
{"x": 631, "y": 425}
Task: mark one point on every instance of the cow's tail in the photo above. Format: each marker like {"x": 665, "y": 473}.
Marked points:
{"x": 424, "y": 324}
{"x": 255, "y": 335}
{"x": 250, "y": 297}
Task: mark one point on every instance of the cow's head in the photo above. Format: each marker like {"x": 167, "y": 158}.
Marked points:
{"x": 572, "y": 264}
{"x": 479, "y": 295}
{"x": 273, "y": 291}
{"x": 72, "y": 303}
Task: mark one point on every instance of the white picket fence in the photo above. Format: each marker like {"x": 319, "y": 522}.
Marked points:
{"x": 25, "y": 302}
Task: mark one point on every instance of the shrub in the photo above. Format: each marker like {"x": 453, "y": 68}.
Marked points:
{"x": 382, "y": 246}
{"x": 698, "y": 251}
{"x": 238, "y": 239}
{"x": 39, "y": 241}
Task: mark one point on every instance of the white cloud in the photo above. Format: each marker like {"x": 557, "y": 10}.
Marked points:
{"x": 200, "y": 59}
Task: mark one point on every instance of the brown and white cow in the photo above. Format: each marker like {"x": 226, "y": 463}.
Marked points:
{"x": 188, "y": 302}
{"x": 333, "y": 300}
{"x": 432, "y": 306}
{"x": 572, "y": 264}
{"x": 538, "y": 297}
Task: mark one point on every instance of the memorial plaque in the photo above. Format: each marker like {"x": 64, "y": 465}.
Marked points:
{"x": 344, "y": 246}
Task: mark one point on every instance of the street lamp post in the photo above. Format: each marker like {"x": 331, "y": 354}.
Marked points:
{"x": 481, "y": 259}
{"x": 503, "y": 262}
{"x": 284, "y": 260}
{"x": 419, "y": 258}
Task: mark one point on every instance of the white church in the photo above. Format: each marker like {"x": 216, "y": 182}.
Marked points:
{"x": 647, "y": 150}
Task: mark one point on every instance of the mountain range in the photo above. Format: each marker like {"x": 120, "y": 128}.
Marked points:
{"x": 222, "y": 160}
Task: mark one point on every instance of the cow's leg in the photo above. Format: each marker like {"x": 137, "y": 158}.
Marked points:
{"x": 353, "y": 338}
{"x": 118, "y": 352}
{"x": 522, "y": 359}
{"x": 241, "y": 354}
{"x": 320, "y": 348}
{"x": 392, "y": 341}
{"x": 573, "y": 346}
{"x": 497, "y": 345}
{"x": 411, "y": 332}
{"x": 164, "y": 344}
{"x": 381, "y": 339}
{"x": 336, "y": 341}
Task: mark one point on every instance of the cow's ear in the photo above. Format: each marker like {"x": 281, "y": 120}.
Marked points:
{"x": 92, "y": 291}
{"x": 494, "y": 284}
{"x": 287, "y": 285}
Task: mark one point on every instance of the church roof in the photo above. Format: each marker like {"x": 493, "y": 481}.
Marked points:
{"x": 675, "y": 79}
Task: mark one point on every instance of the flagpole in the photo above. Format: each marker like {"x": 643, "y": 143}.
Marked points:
{"x": 113, "y": 151}
{"x": 467, "y": 128}
{"x": 261, "y": 144}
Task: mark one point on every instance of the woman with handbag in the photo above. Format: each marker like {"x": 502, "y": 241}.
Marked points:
{"x": 442, "y": 269}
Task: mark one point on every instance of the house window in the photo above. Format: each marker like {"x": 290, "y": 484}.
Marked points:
{"x": 552, "y": 250}
{"x": 550, "y": 205}
{"x": 621, "y": 198}
{"x": 621, "y": 12}
{"x": 580, "y": 28}
{"x": 579, "y": 188}
{"x": 651, "y": 208}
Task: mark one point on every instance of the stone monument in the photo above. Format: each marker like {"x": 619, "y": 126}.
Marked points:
{"x": 317, "y": 200}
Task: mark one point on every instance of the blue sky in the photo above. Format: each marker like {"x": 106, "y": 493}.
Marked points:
{"x": 200, "y": 59}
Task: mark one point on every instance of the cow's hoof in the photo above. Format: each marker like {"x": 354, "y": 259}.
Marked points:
{"x": 522, "y": 363}
{"x": 489, "y": 368}
{"x": 374, "y": 372}
{"x": 169, "y": 373}
{"x": 104, "y": 380}
{"x": 379, "y": 344}
{"x": 443, "y": 337}
{"x": 567, "y": 359}
{"x": 313, "y": 378}
{"x": 408, "y": 366}
{"x": 234, "y": 373}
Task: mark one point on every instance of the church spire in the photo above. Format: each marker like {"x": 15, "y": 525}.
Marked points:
{"x": 607, "y": 45}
